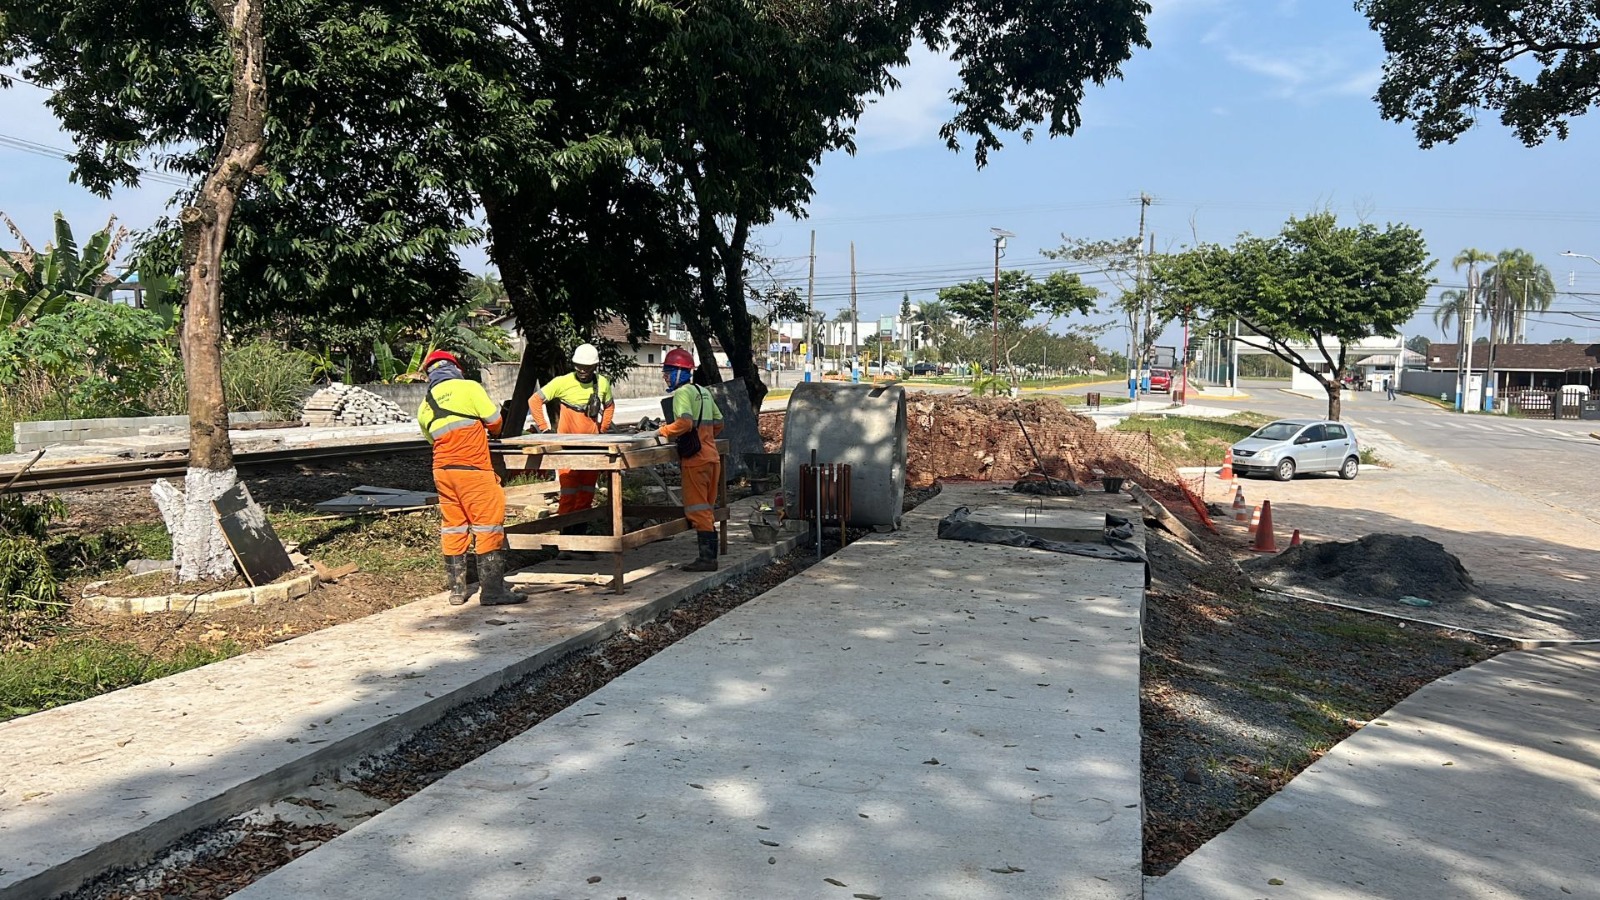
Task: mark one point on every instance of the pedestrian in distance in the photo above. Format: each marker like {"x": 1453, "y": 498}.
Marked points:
{"x": 1388, "y": 388}
{"x": 586, "y": 407}
{"x": 457, "y": 417}
{"x": 696, "y": 422}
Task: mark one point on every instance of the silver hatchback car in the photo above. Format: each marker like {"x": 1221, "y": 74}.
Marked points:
{"x": 1287, "y": 446}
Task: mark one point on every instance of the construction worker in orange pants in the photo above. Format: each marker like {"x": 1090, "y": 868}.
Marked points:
{"x": 695, "y": 411}
{"x": 587, "y": 407}
{"x": 457, "y": 417}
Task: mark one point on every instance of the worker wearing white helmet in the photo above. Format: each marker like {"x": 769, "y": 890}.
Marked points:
{"x": 587, "y": 407}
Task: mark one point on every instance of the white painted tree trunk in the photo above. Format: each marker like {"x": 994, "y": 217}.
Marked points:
{"x": 199, "y": 550}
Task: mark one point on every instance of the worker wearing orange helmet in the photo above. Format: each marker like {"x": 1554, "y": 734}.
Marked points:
{"x": 458, "y": 417}
{"x": 587, "y": 407}
{"x": 695, "y": 410}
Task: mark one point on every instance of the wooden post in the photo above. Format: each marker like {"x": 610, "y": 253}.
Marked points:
{"x": 616, "y": 531}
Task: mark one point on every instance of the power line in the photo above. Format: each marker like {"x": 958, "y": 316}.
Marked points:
{"x": 45, "y": 150}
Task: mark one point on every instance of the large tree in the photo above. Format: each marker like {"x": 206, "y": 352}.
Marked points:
{"x": 1019, "y": 300}
{"x": 1307, "y": 293}
{"x": 1536, "y": 63}
{"x": 328, "y": 155}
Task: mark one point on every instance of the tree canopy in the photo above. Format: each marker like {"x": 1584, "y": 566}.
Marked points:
{"x": 1315, "y": 285}
{"x": 1536, "y": 63}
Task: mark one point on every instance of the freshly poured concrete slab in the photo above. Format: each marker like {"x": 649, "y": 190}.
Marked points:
{"x": 1484, "y": 784}
{"x": 104, "y": 783}
{"x": 909, "y": 718}
{"x": 1053, "y": 518}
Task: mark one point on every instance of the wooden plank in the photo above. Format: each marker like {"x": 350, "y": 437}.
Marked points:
{"x": 250, "y": 536}
{"x": 634, "y": 539}
{"x": 553, "y": 523}
{"x": 556, "y": 578}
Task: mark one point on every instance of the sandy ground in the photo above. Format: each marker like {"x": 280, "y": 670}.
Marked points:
{"x": 1535, "y": 567}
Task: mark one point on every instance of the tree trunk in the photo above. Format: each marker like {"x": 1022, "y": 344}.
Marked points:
{"x": 1334, "y": 398}
{"x": 736, "y": 333}
{"x": 542, "y": 358}
{"x": 198, "y": 548}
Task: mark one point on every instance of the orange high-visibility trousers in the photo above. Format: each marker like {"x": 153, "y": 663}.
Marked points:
{"x": 471, "y": 505}
{"x": 700, "y": 495}
{"x": 577, "y": 490}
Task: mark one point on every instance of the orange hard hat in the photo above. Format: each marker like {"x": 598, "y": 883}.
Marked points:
{"x": 678, "y": 358}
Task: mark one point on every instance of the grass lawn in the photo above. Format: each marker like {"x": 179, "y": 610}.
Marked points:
{"x": 1187, "y": 441}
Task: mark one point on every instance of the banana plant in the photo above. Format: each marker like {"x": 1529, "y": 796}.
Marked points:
{"x": 35, "y": 283}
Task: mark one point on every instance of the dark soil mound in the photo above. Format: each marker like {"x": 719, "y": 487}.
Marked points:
{"x": 1377, "y": 566}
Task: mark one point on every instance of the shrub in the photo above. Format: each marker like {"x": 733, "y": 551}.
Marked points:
{"x": 27, "y": 581}
{"x": 264, "y": 376}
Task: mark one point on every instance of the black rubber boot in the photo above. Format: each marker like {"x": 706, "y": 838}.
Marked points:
{"x": 455, "y": 575}
{"x": 492, "y": 581}
{"x": 707, "y": 560}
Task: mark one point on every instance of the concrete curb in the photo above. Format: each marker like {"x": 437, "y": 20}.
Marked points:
{"x": 293, "y": 589}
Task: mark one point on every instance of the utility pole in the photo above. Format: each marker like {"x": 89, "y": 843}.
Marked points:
{"x": 855, "y": 353}
{"x": 1136, "y": 355}
{"x": 1000, "y": 235}
{"x": 1464, "y": 391}
{"x": 811, "y": 306}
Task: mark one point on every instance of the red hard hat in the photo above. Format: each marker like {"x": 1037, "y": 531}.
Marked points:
{"x": 440, "y": 356}
{"x": 678, "y": 358}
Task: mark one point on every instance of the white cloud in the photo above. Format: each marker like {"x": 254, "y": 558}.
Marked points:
{"x": 911, "y": 115}
{"x": 1308, "y": 74}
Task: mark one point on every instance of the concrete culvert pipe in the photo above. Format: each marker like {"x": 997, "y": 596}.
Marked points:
{"x": 861, "y": 425}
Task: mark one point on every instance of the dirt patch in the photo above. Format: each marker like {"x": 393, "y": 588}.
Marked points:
{"x": 1240, "y": 691}
{"x": 1373, "y": 567}
{"x": 963, "y": 437}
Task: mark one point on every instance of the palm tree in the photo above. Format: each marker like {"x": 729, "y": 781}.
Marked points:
{"x": 1522, "y": 285}
{"x": 1452, "y": 307}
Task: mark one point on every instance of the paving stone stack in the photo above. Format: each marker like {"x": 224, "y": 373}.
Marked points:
{"x": 344, "y": 404}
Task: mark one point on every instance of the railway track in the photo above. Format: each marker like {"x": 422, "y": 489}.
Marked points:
{"x": 146, "y": 471}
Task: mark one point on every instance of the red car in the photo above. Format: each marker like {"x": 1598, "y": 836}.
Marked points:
{"x": 1160, "y": 381}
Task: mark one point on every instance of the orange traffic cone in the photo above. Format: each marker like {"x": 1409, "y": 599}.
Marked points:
{"x": 1265, "y": 542}
{"x": 1227, "y": 465}
{"x": 1241, "y": 513}
{"x": 1294, "y": 539}
{"x": 1255, "y": 518}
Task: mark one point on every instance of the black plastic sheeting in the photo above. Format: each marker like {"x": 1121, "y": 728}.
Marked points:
{"x": 958, "y": 526}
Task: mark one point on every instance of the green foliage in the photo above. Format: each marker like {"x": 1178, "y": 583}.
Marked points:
{"x": 1188, "y": 441}
{"x": 36, "y": 283}
{"x": 27, "y": 581}
{"x": 992, "y": 385}
{"x": 1450, "y": 60}
{"x": 1020, "y": 298}
{"x": 1315, "y": 283}
{"x": 68, "y": 671}
{"x": 89, "y": 359}
{"x": 264, "y": 376}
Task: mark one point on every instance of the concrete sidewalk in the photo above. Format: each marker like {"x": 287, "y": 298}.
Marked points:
{"x": 906, "y": 719}
{"x": 1484, "y": 784}
{"x": 103, "y": 783}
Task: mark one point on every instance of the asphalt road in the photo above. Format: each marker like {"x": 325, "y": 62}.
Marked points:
{"x": 1556, "y": 462}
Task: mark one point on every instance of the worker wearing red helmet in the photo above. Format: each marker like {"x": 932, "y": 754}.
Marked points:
{"x": 587, "y": 407}
{"x": 458, "y": 417}
{"x": 694, "y": 409}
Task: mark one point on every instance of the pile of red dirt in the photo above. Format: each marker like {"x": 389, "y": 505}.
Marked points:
{"x": 959, "y": 436}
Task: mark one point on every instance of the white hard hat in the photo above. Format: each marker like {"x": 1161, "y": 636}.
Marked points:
{"x": 586, "y": 355}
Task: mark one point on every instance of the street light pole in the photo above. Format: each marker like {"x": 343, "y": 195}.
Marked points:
{"x": 1000, "y": 235}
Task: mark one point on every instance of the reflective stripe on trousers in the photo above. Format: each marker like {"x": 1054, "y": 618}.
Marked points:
{"x": 472, "y": 509}
{"x": 700, "y": 495}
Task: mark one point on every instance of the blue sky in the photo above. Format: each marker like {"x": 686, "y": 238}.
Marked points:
{"x": 1240, "y": 115}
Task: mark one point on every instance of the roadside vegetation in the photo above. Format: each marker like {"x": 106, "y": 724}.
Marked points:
{"x": 1185, "y": 441}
